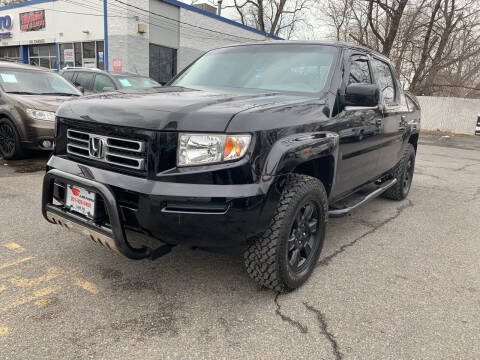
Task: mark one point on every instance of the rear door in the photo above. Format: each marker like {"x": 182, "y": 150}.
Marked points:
{"x": 358, "y": 128}
{"x": 394, "y": 124}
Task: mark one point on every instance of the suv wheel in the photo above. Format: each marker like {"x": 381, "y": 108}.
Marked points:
{"x": 10, "y": 147}
{"x": 404, "y": 174}
{"x": 285, "y": 255}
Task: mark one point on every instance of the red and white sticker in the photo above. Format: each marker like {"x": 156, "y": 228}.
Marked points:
{"x": 80, "y": 200}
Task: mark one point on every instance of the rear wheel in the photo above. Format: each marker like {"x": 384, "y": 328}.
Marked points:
{"x": 404, "y": 174}
{"x": 10, "y": 146}
{"x": 285, "y": 255}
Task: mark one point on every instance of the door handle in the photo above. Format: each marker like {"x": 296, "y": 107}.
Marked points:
{"x": 378, "y": 121}
{"x": 403, "y": 118}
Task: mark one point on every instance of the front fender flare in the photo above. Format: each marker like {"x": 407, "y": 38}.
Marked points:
{"x": 291, "y": 151}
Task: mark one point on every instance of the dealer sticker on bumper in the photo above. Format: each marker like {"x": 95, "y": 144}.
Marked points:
{"x": 80, "y": 200}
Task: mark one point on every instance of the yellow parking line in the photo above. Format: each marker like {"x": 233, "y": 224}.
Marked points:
{"x": 43, "y": 302}
{"x": 34, "y": 296}
{"x": 14, "y": 246}
{"x": 88, "y": 286}
{"x": 52, "y": 273}
{"x": 16, "y": 262}
{"x": 3, "y": 330}
{"x": 2, "y": 287}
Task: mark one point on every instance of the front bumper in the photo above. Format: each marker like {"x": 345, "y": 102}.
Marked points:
{"x": 172, "y": 213}
{"x": 37, "y": 132}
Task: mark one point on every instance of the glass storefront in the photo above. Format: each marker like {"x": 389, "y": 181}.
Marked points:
{"x": 10, "y": 53}
{"x": 43, "y": 55}
{"x": 82, "y": 54}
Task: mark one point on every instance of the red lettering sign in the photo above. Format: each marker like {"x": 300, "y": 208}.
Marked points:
{"x": 117, "y": 64}
{"x": 32, "y": 21}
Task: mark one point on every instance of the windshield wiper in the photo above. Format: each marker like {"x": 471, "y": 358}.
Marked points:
{"x": 58, "y": 94}
{"x": 22, "y": 92}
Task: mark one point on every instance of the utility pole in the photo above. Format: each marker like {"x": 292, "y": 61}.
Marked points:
{"x": 105, "y": 34}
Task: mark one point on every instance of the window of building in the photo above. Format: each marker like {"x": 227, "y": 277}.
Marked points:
{"x": 67, "y": 57}
{"x": 78, "y": 54}
{"x": 92, "y": 52}
{"x": 359, "y": 71}
{"x": 10, "y": 53}
{"x": 89, "y": 50}
{"x": 43, "y": 55}
{"x": 163, "y": 63}
{"x": 100, "y": 55}
{"x": 102, "y": 82}
{"x": 385, "y": 81}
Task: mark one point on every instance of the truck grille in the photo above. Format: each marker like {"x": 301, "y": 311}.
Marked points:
{"x": 124, "y": 153}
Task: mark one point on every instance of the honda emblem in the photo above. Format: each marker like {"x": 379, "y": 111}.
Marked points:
{"x": 97, "y": 147}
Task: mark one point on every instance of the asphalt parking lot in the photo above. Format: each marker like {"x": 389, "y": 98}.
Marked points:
{"x": 395, "y": 281}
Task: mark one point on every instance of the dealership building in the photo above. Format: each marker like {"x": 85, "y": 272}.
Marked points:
{"x": 148, "y": 37}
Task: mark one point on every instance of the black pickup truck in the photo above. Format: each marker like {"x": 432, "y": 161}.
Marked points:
{"x": 251, "y": 146}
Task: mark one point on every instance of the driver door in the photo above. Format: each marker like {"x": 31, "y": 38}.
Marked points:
{"x": 359, "y": 131}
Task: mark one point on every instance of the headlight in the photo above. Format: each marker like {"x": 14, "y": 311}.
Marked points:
{"x": 41, "y": 115}
{"x": 199, "y": 149}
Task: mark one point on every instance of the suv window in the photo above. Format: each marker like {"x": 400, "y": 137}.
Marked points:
{"x": 385, "y": 81}
{"x": 101, "y": 82}
{"x": 359, "y": 71}
{"x": 68, "y": 75}
{"x": 84, "y": 79}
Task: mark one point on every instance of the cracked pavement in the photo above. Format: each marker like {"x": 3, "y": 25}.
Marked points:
{"x": 396, "y": 280}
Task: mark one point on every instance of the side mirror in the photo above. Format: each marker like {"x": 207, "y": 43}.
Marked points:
{"x": 81, "y": 89}
{"x": 108, "y": 89}
{"x": 367, "y": 95}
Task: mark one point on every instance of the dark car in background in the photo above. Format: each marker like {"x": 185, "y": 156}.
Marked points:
{"x": 29, "y": 97}
{"x": 98, "y": 81}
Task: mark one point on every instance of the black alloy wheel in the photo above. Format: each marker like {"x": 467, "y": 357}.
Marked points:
{"x": 284, "y": 256}
{"x": 7, "y": 140}
{"x": 303, "y": 239}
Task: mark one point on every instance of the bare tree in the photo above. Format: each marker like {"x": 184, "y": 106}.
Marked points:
{"x": 276, "y": 17}
{"x": 434, "y": 44}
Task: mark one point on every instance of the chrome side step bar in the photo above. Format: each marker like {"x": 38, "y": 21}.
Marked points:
{"x": 345, "y": 211}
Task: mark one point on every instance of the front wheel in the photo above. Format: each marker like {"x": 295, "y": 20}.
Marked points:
{"x": 10, "y": 146}
{"x": 285, "y": 255}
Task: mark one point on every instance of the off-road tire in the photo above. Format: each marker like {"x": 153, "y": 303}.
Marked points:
{"x": 399, "y": 191}
{"x": 266, "y": 258}
{"x": 17, "y": 152}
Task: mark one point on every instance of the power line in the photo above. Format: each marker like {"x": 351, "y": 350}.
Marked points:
{"x": 117, "y": 9}
{"x": 183, "y": 22}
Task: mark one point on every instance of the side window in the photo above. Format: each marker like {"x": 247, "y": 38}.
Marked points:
{"x": 385, "y": 81}
{"x": 84, "y": 79}
{"x": 359, "y": 71}
{"x": 67, "y": 75}
{"x": 101, "y": 82}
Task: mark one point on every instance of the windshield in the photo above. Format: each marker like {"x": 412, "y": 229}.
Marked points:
{"x": 35, "y": 83}
{"x": 289, "y": 68}
{"x": 136, "y": 82}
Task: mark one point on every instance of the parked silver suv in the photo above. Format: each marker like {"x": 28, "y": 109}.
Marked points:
{"x": 97, "y": 81}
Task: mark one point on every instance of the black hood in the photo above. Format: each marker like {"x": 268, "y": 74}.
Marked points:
{"x": 169, "y": 108}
